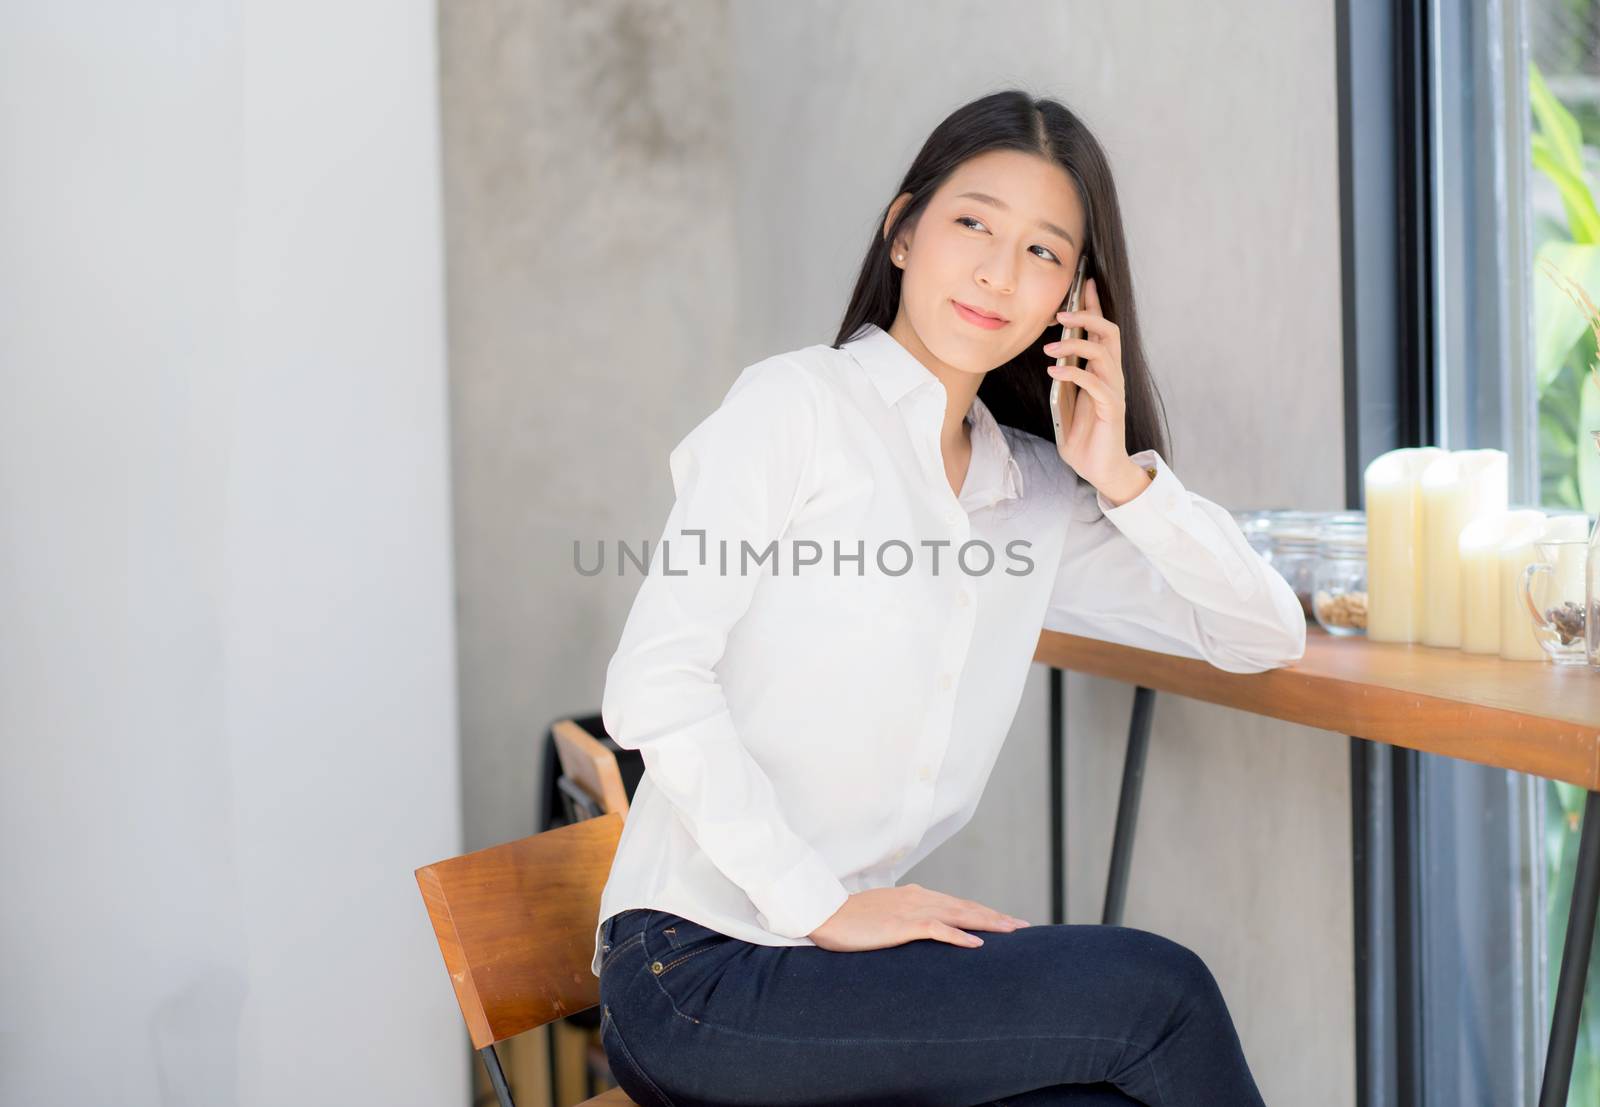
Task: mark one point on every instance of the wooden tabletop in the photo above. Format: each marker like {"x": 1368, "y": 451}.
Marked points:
{"x": 1533, "y": 716}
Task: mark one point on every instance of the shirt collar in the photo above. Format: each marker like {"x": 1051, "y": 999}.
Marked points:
{"x": 993, "y": 474}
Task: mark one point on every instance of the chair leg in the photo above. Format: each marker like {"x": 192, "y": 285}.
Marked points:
{"x": 497, "y": 1075}
{"x": 550, "y": 1065}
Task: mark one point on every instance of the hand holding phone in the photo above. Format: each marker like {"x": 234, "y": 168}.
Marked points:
{"x": 1064, "y": 394}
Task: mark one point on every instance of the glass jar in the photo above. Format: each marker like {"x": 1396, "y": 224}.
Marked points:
{"x": 1591, "y": 587}
{"x": 1294, "y": 551}
{"x": 1553, "y": 593}
{"x": 1339, "y": 583}
{"x": 1256, "y": 525}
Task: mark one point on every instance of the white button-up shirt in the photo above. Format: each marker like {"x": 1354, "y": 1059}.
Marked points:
{"x": 830, "y": 644}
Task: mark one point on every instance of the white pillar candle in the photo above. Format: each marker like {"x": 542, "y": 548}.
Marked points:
{"x": 1567, "y": 524}
{"x": 1457, "y": 488}
{"x": 1479, "y": 546}
{"x": 1394, "y": 543}
{"x": 1517, "y": 642}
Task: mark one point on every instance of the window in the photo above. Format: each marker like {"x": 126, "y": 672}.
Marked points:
{"x": 1461, "y": 179}
{"x": 1560, "y": 104}
{"x": 1511, "y": 103}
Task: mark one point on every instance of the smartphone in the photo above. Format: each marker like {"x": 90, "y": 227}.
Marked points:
{"x": 1064, "y": 394}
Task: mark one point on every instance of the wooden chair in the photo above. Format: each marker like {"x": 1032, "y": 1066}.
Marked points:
{"x": 515, "y": 923}
{"x": 590, "y": 780}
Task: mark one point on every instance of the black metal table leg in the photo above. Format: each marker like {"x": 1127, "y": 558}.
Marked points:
{"x": 1382, "y": 1066}
{"x": 1058, "y": 803}
{"x": 1144, "y": 701}
{"x": 1575, "y": 953}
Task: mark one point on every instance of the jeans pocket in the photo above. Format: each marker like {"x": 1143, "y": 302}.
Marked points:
{"x": 681, "y": 939}
{"x": 681, "y": 933}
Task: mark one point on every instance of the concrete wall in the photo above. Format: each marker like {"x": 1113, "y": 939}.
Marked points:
{"x": 643, "y": 197}
{"x": 227, "y": 693}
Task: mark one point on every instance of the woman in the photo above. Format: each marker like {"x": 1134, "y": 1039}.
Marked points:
{"x": 814, "y": 725}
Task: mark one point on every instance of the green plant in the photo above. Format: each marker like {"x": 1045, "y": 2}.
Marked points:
{"x": 1564, "y": 334}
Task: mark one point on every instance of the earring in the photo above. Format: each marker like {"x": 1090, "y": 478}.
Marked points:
{"x": 899, "y": 257}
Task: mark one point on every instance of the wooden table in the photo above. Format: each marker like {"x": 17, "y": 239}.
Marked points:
{"x": 1532, "y": 716}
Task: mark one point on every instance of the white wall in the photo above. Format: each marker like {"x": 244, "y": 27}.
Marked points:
{"x": 227, "y": 691}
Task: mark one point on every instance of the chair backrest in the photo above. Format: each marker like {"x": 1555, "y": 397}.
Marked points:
{"x": 590, "y": 764}
{"x": 515, "y": 923}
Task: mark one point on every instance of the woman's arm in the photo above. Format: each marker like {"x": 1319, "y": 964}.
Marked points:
{"x": 739, "y": 477}
{"x": 1169, "y": 570}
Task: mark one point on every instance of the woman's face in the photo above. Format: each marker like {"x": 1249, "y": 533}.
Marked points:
{"x": 1011, "y": 253}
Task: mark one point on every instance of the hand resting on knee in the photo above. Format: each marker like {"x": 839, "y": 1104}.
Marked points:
{"x": 881, "y": 917}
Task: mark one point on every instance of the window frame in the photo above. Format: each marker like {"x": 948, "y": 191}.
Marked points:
{"x": 1432, "y": 358}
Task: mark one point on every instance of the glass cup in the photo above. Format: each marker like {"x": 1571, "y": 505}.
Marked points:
{"x": 1553, "y": 590}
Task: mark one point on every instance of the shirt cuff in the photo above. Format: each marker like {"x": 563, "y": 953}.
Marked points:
{"x": 800, "y": 900}
{"x": 1150, "y": 518}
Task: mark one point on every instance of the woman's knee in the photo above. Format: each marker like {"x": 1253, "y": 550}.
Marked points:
{"x": 1177, "y": 972}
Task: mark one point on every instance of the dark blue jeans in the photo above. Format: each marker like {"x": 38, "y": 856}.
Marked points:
{"x": 1090, "y": 1016}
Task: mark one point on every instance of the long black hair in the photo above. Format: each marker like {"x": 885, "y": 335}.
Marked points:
{"x": 1018, "y": 392}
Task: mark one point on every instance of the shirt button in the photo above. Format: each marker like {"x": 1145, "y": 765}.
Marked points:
{"x": 899, "y": 853}
{"x": 962, "y": 600}
{"x": 952, "y": 515}
{"x": 945, "y": 681}
{"x": 924, "y": 773}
